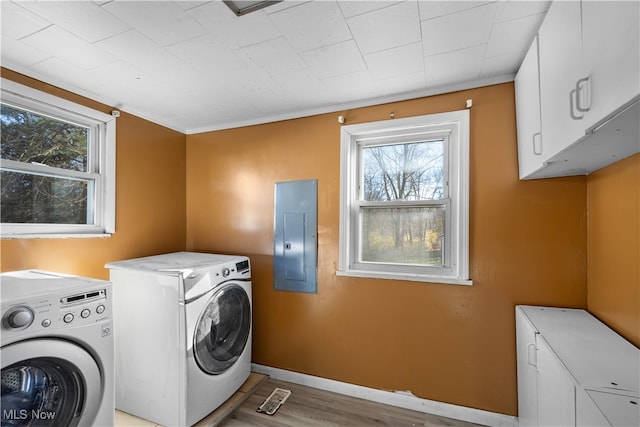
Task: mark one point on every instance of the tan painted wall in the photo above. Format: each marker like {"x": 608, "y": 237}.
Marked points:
{"x": 443, "y": 342}
{"x": 150, "y": 201}
{"x": 614, "y": 246}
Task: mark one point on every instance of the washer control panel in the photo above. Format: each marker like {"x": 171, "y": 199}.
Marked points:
{"x": 49, "y": 313}
{"x": 201, "y": 281}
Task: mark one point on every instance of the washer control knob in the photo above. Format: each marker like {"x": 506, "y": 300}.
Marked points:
{"x": 68, "y": 318}
{"x": 85, "y": 313}
{"x": 225, "y": 272}
{"x": 100, "y": 309}
{"x": 18, "y": 317}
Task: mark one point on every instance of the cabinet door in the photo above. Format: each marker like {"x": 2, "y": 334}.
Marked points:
{"x": 587, "y": 412}
{"x": 560, "y": 50}
{"x": 527, "y": 374}
{"x": 611, "y": 55}
{"x": 556, "y": 390}
{"x": 527, "y": 88}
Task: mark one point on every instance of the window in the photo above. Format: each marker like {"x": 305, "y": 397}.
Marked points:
{"x": 404, "y": 199}
{"x": 57, "y": 166}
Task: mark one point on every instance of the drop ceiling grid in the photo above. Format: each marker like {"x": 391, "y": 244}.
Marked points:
{"x": 167, "y": 61}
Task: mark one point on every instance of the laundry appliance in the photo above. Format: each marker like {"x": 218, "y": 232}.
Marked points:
{"x": 57, "y": 350}
{"x": 183, "y": 334}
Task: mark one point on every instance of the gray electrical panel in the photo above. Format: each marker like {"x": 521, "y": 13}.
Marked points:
{"x": 295, "y": 245}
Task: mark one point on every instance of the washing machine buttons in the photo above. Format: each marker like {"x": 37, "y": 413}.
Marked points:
{"x": 225, "y": 272}
{"x": 19, "y": 317}
{"x": 100, "y": 309}
{"x": 46, "y": 323}
{"x": 68, "y": 318}
{"x": 85, "y": 313}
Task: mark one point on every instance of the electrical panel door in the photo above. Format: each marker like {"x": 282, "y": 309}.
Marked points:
{"x": 296, "y": 238}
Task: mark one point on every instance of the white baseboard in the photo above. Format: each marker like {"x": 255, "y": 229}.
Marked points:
{"x": 400, "y": 399}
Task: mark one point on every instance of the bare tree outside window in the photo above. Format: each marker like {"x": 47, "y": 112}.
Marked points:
{"x": 411, "y": 233}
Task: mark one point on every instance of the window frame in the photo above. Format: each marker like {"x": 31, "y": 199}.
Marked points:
{"x": 454, "y": 128}
{"x": 101, "y": 163}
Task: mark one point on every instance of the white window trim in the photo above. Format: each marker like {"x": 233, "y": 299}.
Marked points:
{"x": 105, "y": 200}
{"x": 458, "y": 123}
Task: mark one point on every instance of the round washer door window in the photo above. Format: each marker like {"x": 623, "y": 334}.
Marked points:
{"x": 56, "y": 384}
{"x": 222, "y": 330}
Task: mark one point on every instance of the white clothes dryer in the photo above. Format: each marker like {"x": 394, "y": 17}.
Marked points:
{"x": 183, "y": 334}
{"x": 57, "y": 350}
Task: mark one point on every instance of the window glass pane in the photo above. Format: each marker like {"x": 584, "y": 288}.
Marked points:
{"x": 403, "y": 235}
{"x": 413, "y": 171}
{"x": 33, "y": 138}
{"x": 37, "y": 199}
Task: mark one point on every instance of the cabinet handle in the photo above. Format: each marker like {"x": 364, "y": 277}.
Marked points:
{"x": 583, "y": 87}
{"x": 572, "y": 96}
{"x": 537, "y": 143}
{"x": 529, "y": 355}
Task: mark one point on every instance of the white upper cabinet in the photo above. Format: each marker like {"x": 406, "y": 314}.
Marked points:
{"x": 589, "y": 89}
{"x": 611, "y": 56}
{"x": 527, "y": 88}
{"x": 560, "y": 68}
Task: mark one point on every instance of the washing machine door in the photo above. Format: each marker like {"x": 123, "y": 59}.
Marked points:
{"x": 222, "y": 330}
{"x": 49, "y": 382}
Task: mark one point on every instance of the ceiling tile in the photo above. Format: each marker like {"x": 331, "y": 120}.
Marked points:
{"x": 85, "y": 19}
{"x": 509, "y": 36}
{"x": 353, "y": 8}
{"x": 393, "y": 26}
{"x": 273, "y": 57}
{"x": 458, "y": 66}
{"x": 66, "y": 46}
{"x": 208, "y": 55}
{"x": 302, "y": 85}
{"x": 436, "y": 8}
{"x": 137, "y": 49}
{"x": 512, "y": 9}
{"x": 62, "y": 71}
{"x": 165, "y": 23}
{"x": 349, "y": 86}
{"x": 18, "y": 22}
{"x": 312, "y": 25}
{"x": 408, "y": 83}
{"x": 187, "y": 5}
{"x": 21, "y": 54}
{"x": 396, "y": 62}
{"x": 501, "y": 65}
{"x": 458, "y": 31}
{"x": 121, "y": 73}
{"x": 341, "y": 58}
{"x": 234, "y": 31}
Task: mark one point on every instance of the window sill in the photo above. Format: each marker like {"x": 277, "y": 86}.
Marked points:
{"x": 56, "y": 236}
{"x": 404, "y": 276}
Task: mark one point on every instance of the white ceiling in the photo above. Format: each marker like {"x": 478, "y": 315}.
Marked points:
{"x": 195, "y": 66}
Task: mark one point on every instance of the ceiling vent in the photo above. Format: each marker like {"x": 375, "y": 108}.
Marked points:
{"x": 243, "y": 7}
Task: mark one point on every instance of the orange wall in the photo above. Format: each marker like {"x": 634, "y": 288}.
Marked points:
{"x": 614, "y": 246}
{"x": 443, "y": 342}
{"x": 150, "y": 201}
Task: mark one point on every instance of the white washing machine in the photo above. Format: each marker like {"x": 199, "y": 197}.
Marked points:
{"x": 183, "y": 334}
{"x": 57, "y": 350}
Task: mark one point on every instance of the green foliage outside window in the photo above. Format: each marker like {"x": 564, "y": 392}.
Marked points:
{"x": 43, "y": 195}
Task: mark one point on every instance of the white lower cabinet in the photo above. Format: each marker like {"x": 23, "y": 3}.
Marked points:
{"x": 574, "y": 371}
{"x": 587, "y": 412}
{"x": 556, "y": 390}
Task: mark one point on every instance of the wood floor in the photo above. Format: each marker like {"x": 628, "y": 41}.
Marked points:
{"x": 310, "y": 407}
